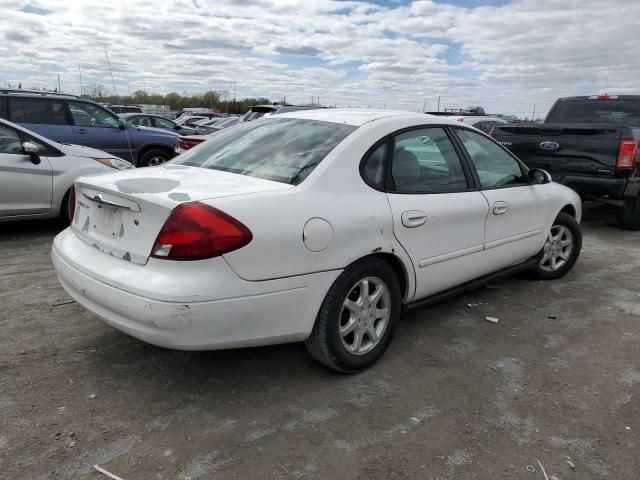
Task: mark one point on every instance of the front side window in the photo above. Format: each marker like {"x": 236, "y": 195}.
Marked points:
{"x": 495, "y": 167}
{"x": 141, "y": 121}
{"x": 163, "y": 123}
{"x": 425, "y": 161}
{"x": 37, "y": 110}
{"x": 90, "y": 115}
{"x": 10, "y": 141}
{"x": 282, "y": 149}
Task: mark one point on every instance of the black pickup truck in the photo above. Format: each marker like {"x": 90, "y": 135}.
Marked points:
{"x": 589, "y": 144}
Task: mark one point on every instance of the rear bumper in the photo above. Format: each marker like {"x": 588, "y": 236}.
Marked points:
{"x": 586, "y": 187}
{"x": 239, "y": 314}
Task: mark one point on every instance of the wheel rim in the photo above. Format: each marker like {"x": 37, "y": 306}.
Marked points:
{"x": 557, "y": 249}
{"x": 157, "y": 160}
{"x": 364, "y": 316}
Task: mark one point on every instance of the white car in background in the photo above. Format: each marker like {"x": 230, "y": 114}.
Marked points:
{"x": 320, "y": 226}
{"x": 36, "y": 174}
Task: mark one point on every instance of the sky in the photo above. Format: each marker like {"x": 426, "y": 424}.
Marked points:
{"x": 503, "y": 55}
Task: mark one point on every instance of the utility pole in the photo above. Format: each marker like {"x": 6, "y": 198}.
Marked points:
{"x": 80, "y": 72}
{"x": 234, "y": 91}
{"x": 438, "y": 102}
{"x": 424, "y": 104}
{"x": 58, "y": 83}
{"x": 111, "y": 72}
{"x": 533, "y": 115}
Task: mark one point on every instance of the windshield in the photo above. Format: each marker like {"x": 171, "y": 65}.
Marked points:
{"x": 283, "y": 150}
{"x": 614, "y": 111}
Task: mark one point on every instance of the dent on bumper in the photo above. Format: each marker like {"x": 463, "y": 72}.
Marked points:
{"x": 285, "y": 312}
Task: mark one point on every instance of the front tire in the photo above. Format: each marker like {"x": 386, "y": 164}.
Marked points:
{"x": 358, "y": 317}
{"x": 154, "y": 157}
{"x": 561, "y": 249}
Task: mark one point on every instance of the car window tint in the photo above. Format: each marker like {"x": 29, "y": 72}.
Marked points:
{"x": 283, "y": 150}
{"x": 37, "y": 110}
{"x": 373, "y": 166}
{"x": 425, "y": 161}
{"x": 163, "y": 123}
{"x": 90, "y": 115}
{"x": 495, "y": 167}
{"x": 10, "y": 141}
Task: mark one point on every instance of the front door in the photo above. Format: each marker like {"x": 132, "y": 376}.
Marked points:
{"x": 438, "y": 216}
{"x": 517, "y": 210}
{"x": 25, "y": 188}
{"x": 98, "y": 128}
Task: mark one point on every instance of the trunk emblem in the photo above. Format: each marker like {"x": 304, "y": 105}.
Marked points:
{"x": 549, "y": 146}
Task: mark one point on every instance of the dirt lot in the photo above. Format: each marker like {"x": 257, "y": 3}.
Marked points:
{"x": 455, "y": 397}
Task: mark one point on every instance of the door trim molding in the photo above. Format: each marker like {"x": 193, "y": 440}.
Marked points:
{"x": 449, "y": 256}
{"x": 513, "y": 238}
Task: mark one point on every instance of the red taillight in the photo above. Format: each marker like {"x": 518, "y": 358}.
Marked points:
{"x": 187, "y": 143}
{"x": 195, "y": 231}
{"x": 627, "y": 154}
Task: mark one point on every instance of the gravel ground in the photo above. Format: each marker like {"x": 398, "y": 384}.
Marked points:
{"x": 557, "y": 380}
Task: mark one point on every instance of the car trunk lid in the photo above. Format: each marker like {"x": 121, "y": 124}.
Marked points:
{"x": 121, "y": 214}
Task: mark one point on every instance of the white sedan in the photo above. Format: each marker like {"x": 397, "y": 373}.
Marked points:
{"x": 320, "y": 226}
{"x": 36, "y": 174}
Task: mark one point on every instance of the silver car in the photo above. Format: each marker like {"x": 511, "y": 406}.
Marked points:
{"x": 36, "y": 174}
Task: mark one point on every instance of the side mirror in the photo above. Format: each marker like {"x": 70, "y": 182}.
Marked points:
{"x": 176, "y": 127}
{"x": 33, "y": 151}
{"x": 122, "y": 124}
{"x": 537, "y": 176}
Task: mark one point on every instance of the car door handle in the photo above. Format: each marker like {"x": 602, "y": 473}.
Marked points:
{"x": 500, "y": 207}
{"x": 81, "y": 130}
{"x": 413, "y": 218}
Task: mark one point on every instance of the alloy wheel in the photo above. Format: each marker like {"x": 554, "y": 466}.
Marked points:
{"x": 557, "y": 249}
{"x": 364, "y": 315}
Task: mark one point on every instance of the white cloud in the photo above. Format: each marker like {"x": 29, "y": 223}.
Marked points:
{"x": 505, "y": 58}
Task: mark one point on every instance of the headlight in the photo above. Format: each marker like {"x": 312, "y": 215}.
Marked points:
{"x": 114, "y": 163}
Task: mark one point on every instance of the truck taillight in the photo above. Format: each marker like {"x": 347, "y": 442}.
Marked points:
{"x": 627, "y": 154}
{"x": 195, "y": 231}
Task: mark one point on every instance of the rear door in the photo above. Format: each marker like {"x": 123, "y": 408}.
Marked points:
{"x": 518, "y": 211}
{"x": 438, "y": 216}
{"x": 96, "y": 127}
{"x": 25, "y": 188}
{"x": 46, "y": 116}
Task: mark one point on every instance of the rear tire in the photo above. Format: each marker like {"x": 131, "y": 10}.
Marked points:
{"x": 561, "y": 250}
{"x": 154, "y": 157}
{"x": 629, "y": 215}
{"x": 353, "y": 327}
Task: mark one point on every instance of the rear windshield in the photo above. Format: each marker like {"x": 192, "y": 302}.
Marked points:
{"x": 614, "y": 112}
{"x": 283, "y": 150}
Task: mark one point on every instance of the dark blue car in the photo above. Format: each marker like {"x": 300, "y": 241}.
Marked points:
{"x": 74, "y": 120}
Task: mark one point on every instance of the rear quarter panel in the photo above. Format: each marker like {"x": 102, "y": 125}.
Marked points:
{"x": 360, "y": 218}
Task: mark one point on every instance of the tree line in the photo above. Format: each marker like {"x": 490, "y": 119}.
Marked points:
{"x": 211, "y": 99}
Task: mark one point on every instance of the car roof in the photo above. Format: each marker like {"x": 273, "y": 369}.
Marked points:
{"x": 593, "y": 97}
{"x": 360, "y": 116}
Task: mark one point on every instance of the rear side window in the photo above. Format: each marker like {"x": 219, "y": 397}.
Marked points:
{"x": 283, "y": 150}
{"x": 495, "y": 167}
{"x": 425, "y": 161}
{"x": 163, "y": 123}
{"x": 37, "y": 110}
{"x": 90, "y": 115}
{"x": 373, "y": 166}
